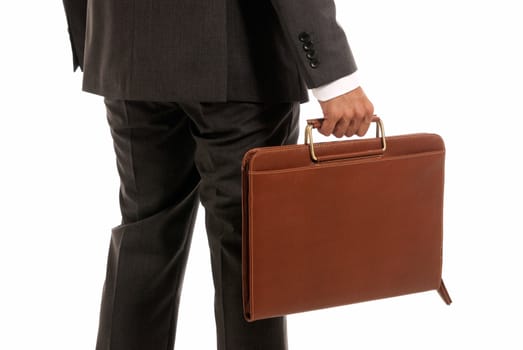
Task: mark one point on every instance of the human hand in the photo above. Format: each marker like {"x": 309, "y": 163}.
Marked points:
{"x": 347, "y": 114}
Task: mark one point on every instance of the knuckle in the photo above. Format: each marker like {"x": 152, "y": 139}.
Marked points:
{"x": 370, "y": 105}
{"x": 333, "y": 112}
{"x": 358, "y": 113}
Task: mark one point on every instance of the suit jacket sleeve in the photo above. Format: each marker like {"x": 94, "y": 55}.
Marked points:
{"x": 320, "y": 44}
{"x": 76, "y": 13}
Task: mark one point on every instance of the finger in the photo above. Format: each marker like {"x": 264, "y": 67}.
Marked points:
{"x": 364, "y": 127}
{"x": 350, "y": 130}
{"x": 354, "y": 127}
{"x": 341, "y": 127}
{"x": 358, "y": 119}
{"x": 355, "y": 121}
{"x": 327, "y": 126}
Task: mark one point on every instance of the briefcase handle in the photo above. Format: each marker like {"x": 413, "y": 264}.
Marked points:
{"x": 317, "y": 122}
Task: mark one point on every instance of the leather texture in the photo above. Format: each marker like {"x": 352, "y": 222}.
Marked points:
{"x": 336, "y": 232}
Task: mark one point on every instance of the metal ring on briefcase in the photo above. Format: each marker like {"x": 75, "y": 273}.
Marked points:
{"x": 316, "y": 123}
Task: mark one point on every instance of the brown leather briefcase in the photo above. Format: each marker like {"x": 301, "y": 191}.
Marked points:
{"x": 334, "y": 223}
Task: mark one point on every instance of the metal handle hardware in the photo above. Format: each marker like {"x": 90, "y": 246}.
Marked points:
{"x": 316, "y": 123}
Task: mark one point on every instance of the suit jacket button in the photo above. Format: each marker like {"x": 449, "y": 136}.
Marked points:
{"x": 314, "y": 62}
{"x": 304, "y": 37}
{"x": 310, "y": 54}
{"x": 308, "y": 46}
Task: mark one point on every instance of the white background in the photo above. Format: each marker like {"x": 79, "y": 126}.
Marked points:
{"x": 450, "y": 67}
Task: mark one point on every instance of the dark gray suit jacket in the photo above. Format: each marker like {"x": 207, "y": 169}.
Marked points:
{"x": 207, "y": 50}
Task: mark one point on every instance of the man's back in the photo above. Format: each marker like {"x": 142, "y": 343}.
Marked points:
{"x": 204, "y": 50}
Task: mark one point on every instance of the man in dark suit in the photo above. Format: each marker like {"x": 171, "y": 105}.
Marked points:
{"x": 189, "y": 87}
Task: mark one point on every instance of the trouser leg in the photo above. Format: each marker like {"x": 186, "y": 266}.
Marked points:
{"x": 148, "y": 250}
{"x": 223, "y": 133}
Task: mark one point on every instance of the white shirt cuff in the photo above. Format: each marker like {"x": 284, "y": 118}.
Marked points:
{"x": 337, "y": 87}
